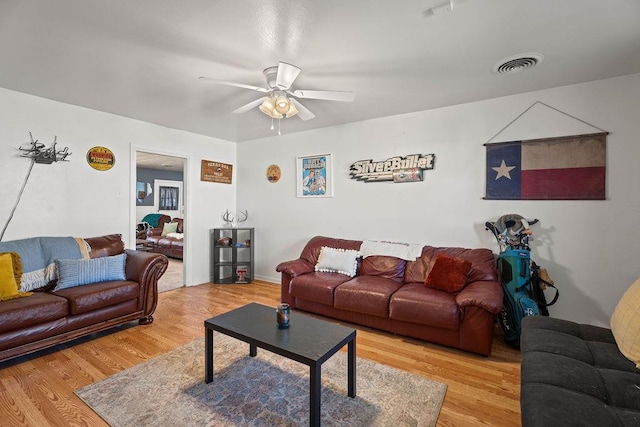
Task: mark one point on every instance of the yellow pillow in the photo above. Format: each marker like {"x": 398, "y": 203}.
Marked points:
{"x": 17, "y": 266}
{"x": 625, "y": 323}
{"x": 10, "y": 274}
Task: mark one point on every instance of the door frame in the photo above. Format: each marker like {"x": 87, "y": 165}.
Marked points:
{"x": 186, "y": 257}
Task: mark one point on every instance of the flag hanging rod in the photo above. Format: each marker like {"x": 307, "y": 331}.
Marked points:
{"x": 552, "y": 138}
{"x": 548, "y": 106}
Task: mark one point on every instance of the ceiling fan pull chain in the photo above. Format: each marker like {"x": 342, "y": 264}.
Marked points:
{"x": 272, "y": 127}
{"x": 279, "y": 127}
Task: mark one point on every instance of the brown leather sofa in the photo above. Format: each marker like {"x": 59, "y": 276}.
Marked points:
{"x": 169, "y": 246}
{"x": 49, "y": 317}
{"x": 389, "y": 293}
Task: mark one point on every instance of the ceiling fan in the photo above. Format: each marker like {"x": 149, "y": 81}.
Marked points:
{"x": 280, "y": 100}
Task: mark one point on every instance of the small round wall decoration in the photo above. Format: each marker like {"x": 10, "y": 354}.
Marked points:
{"x": 101, "y": 158}
{"x": 273, "y": 173}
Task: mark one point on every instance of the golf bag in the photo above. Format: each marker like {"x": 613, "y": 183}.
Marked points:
{"x": 520, "y": 277}
{"x": 515, "y": 276}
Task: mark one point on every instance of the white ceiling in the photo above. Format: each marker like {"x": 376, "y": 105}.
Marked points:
{"x": 159, "y": 161}
{"x": 142, "y": 59}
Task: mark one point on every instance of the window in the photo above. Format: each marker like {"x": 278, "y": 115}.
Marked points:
{"x": 169, "y": 198}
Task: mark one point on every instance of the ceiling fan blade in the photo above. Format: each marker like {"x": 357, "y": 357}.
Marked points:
{"x": 287, "y": 74}
{"x": 226, "y": 83}
{"x": 249, "y": 106}
{"x": 303, "y": 112}
{"x": 327, "y": 95}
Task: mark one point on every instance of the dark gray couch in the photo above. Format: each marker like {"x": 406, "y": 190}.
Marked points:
{"x": 574, "y": 375}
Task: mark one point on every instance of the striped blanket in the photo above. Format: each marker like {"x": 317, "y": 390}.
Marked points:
{"x": 38, "y": 256}
{"x": 406, "y": 251}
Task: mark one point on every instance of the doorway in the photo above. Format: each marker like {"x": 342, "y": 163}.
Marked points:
{"x": 160, "y": 187}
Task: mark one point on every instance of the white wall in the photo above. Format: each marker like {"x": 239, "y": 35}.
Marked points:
{"x": 589, "y": 247}
{"x": 72, "y": 199}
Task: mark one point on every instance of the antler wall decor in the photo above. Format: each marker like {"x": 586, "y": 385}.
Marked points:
{"x": 233, "y": 221}
{"x": 37, "y": 151}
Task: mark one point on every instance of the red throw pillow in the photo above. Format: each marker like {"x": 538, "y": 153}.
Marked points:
{"x": 448, "y": 273}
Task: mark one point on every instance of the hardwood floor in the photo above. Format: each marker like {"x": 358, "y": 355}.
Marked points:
{"x": 37, "y": 390}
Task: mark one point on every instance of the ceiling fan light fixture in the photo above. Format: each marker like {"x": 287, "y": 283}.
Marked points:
{"x": 268, "y": 107}
{"x": 292, "y": 110}
{"x": 282, "y": 104}
{"x": 280, "y": 79}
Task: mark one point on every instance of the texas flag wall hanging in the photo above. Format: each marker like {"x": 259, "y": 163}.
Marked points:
{"x": 563, "y": 168}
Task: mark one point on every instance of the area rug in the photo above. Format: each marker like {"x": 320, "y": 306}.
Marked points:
{"x": 172, "y": 278}
{"x": 266, "y": 390}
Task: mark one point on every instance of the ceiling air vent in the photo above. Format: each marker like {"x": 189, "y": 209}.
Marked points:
{"x": 517, "y": 63}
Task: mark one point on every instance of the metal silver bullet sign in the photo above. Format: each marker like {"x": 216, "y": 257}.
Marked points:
{"x": 397, "y": 169}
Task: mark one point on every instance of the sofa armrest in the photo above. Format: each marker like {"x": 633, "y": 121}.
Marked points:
{"x": 295, "y": 267}
{"x": 154, "y": 232}
{"x": 146, "y": 268}
{"x": 484, "y": 294}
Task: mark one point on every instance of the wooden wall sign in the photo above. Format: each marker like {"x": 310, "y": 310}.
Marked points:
{"x": 216, "y": 172}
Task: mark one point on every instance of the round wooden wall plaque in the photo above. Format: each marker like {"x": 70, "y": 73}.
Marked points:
{"x": 273, "y": 173}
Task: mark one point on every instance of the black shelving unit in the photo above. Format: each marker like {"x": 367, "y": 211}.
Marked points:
{"x": 232, "y": 259}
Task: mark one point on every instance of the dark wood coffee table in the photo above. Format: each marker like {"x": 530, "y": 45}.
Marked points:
{"x": 307, "y": 340}
{"x": 144, "y": 245}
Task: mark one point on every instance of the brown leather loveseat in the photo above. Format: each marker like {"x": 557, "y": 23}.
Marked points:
{"x": 170, "y": 245}
{"x": 390, "y": 294}
{"x": 48, "y": 317}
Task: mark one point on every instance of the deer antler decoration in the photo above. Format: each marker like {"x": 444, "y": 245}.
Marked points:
{"x": 233, "y": 221}
{"x": 239, "y": 214}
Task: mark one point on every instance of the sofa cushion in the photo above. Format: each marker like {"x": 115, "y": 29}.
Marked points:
{"x": 311, "y": 251}
{"x": 448, "y": 273}
{"x": 416, "y": 271}
{"x": 625, "y": 323}
{"x": 415, "y": 303}
{"x": 384, "y": 266}
{"x": 482, "y": 260}
{"x": 366, "y": 294}
{"x": 76, "y": 272}
{"x": 108, "y": 245}
{"x": 155, "y": 239}
{"x": 40, "y": 307}
{"x": 170, "y": 242}
{"x": 180, "y": 223}
{"x": 579, "y": 366}
{"x": 83, "y": 299}
{"x": 316, "y": 286}
{"x": 337, "y": 260}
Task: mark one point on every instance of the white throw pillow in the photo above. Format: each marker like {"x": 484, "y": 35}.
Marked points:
{"x": 334, "y": 260}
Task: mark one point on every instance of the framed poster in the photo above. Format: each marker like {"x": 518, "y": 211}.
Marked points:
{"x": 314, "y": 176}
